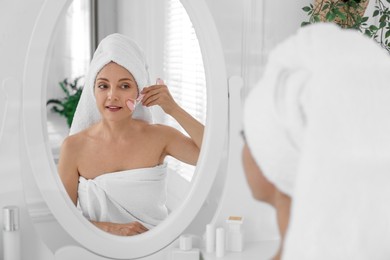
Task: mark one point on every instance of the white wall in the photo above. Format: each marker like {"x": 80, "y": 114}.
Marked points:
{"x": 248, "y": 30}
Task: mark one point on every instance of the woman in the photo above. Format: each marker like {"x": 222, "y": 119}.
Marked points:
{"x": 112, "y": 164}
{"x": 317, "y": 137}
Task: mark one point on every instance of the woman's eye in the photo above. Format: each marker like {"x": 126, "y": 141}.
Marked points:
{"x": 126, "y": 86}
{"x": 102, "y": 86}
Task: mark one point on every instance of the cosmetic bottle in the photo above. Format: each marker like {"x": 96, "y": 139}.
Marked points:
{"x": 220, "y": 243}
{"x": 234, "y": 237}
{"x": 210, "y": 238}
{"x": 11, "y": 233}
{"x": 185, "y": 251}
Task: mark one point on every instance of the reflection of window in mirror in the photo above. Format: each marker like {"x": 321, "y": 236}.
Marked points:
{"x": 184, "y": 72}
{"x": 69, "y": 59}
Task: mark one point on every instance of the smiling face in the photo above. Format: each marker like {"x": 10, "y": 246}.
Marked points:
{"x": 114, "y": 85}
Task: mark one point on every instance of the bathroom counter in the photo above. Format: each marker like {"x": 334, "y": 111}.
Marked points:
{"x": 263, "y": 250}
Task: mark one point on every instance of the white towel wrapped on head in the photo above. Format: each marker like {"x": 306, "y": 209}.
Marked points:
{"x": 125, "y": 196}
{"x": 124, "y": 51}
{"x": 318, "y": 125}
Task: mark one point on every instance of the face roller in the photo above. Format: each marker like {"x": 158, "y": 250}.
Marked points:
{"x": 159, "y": 82}
{"x": 132, "y": 104}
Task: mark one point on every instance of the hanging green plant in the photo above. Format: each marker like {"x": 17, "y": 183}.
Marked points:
{"x": 67, "y": 106}
{"x": 350, "y": 14}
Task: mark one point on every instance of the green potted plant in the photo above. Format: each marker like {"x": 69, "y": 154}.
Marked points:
{"x": 350, "y": 14}
{"x": 67, "y": 106}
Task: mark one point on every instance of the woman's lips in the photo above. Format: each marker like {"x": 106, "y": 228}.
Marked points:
{"x": 113, "y": 108}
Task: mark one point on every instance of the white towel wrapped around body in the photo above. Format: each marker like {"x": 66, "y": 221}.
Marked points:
{"x": 318, "y": 125}
{"x": 125, "y": 196}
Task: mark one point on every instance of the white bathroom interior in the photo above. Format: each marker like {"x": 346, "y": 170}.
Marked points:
{"x": 209, "y": 52}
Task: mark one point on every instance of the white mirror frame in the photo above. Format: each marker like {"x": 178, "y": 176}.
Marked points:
{"x": 40, "y": 162}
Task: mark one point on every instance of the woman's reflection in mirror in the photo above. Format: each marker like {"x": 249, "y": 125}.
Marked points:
{"x": 112, "y": 163}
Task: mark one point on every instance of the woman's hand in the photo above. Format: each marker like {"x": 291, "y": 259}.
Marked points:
{"x": 159, "y": 95}
{"x": 126, "y": 229}
{"x": 179, "y": 144}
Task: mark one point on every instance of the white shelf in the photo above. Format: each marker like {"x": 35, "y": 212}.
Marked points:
{"x": 263, "y": 250}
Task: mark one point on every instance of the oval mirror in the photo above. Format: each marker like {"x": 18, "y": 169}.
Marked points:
{"x": 173, "y": 52}
{"x": 45, "y": 194}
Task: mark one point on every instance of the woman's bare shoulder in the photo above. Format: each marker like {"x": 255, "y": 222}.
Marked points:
{"x": 164, "y": 131}
{"x": 160, "y": 128}
{"x": 73, "y": 143}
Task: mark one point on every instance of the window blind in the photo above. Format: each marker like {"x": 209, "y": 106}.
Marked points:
{"x": 183, "y": 72}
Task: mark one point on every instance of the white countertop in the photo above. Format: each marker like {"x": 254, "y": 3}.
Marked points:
{"x": 263, "y": 250}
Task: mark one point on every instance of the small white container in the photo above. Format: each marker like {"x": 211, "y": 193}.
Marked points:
{"x": 11, "y": 233}
{"x": 185, "y": 242}
{"x": 185, "y": 252}
{"x": 234, "y": 239}
{"x": 220, "y": 242}
{"x": 210, "y": 238}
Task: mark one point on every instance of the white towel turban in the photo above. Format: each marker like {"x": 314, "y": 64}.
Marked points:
{"x": 124, "y": 51}
{"x": 318, "y": 125}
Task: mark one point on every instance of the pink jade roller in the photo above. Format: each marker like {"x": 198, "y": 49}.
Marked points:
{"x": 159, "y": 82}
{"x": 131, "y": 104}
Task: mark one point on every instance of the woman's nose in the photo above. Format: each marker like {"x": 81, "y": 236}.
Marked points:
{"x": 112, "y": 94}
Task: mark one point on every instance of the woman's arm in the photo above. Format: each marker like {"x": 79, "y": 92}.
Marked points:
{"x": 67, "y": 168}
{"x": 126, "y": 229}
{"x": 160, "y": 95}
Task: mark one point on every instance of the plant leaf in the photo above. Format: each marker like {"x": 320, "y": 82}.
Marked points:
{"x": 373, "y": 28}
{"x": 326, "y": 6}
{"x": 353, "y": 4}
{"x": 376, "y": 12}
{"x": 306, "y": 9}
{"x": 54, "y": 101}
{"x": 387, "y": 34}
{"x": 330, "y": 16}
{"x": 368, "y": 33}
{"x": 63, "y": 87}
{"x": 57, "y": 110}
{"x": 341, "y": 15}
